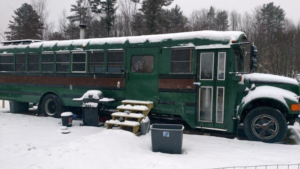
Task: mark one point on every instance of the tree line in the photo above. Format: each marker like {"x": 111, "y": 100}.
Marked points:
{"x": 275, "y": 36}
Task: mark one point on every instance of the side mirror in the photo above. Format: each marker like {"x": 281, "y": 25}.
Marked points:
{"x": 253, "y": 58}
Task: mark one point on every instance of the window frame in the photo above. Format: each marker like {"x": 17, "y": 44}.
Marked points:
{"x": 223, "y": 110}
{"x": 38, "y": 63}
{"x": 213, "y": 64}
{"x": 90, "y": 52}
{"x": 53, "y": 63}
{"x": 107, "y": 67}
{"x": 21, "y": 63}
{"x": 191, "y": 60}
{"x": 81, "y": 52}
{"x": 13, "y": 63}
{"x": 58, "y": 53}
{"x": 224, "y": 66}
{"x": 211, "y": 104}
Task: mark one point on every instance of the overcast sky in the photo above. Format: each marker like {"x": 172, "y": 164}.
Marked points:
{"x": 55, "y": 7}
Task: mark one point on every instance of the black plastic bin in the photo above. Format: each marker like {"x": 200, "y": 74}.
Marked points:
{"x": 66, "y": 119}
{"x": 18, "y": 107}
{"x": 90, "y": 116}
{"x": 167, "y": 138}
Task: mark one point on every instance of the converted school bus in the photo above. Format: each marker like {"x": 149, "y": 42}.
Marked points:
{"x": 197, "y": 76}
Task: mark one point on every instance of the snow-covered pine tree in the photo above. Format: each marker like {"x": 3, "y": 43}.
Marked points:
{"x": 26, "y": 24}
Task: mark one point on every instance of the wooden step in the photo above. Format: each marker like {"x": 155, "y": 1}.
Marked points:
{"x": 137, "y": 116}
{"x": 133, "y": 109}
{"x": 135, "y": 125}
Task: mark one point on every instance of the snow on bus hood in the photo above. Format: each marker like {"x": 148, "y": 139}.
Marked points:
{"x": 260, "y": 77}
{"x": 270, "y": 92}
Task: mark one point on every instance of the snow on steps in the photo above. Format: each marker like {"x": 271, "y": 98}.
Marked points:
{"x": 135, "y": 125}
{"x": 128, "y": 116}
{"x": 135, "y": 108}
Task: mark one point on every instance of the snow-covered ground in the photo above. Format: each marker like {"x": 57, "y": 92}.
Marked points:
{"x": 35, "y": 142}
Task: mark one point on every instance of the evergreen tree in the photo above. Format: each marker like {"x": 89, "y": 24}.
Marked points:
{"x": 152, "y": 11}
{"x": 138, "y": 24}
{"x": 108, "y": 8}
{"x": 26, "y": 24}
{"x": 272, "y": 18}
{"x": 80, "y": 12}
{"x": 72, "y": 31}
{"x": 221, "y": 21}
{"x": 173, "y": 20}
{"x": 211, "y": 18}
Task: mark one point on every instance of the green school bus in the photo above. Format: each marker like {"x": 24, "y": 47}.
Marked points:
{"x": 198, "y": 77}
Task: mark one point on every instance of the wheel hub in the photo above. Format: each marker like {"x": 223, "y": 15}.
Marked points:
{"x": 265, "y": 126}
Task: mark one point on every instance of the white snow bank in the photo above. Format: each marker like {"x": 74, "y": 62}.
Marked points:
{"x": 296, "y": 131}
{"x": 36, "y": 142}
{"x": 130, "y": 107}
{"x": 270, "y": 92}
{"x": 258, "y": 77}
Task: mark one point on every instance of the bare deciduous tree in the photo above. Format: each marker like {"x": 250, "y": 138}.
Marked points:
{"x": 127, "y": 9}
{"x": 40, "y": 6}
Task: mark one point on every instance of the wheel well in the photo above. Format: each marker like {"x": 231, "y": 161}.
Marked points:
{"x": 47, "y": 93}
{"x": 264, "y": 102}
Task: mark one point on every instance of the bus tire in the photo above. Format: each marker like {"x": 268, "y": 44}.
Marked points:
{"x": 265, "y": 124}
{"x": 52, "y": 106}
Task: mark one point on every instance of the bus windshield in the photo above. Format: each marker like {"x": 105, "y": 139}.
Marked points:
{"x": 239, "y": 61}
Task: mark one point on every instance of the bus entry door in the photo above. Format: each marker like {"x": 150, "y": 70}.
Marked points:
{"x": 142, "y": 73}
{"x": 211, "y": 93}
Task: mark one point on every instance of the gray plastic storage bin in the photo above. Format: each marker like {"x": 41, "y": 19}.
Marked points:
{"x": 167, "y": 138}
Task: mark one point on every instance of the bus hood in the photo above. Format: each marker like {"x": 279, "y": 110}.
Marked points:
{"x": 267, "y": 79}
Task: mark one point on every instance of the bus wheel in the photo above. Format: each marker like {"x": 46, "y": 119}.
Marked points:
{"x": 265, "y": 124}
{"x": 52, "y": 106}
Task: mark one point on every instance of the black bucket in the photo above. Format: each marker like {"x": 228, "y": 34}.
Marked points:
{"x": 66, "y": 119}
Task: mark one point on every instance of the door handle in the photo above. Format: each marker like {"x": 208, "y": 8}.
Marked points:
{"x": 197, "y": 83}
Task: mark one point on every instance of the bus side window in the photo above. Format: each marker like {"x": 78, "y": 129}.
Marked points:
{"x": 47, "y": 62}
{"x": 182, "y": 61}
{"x": 33, "y": 62}
{"x": 62, "y": 62}
{"x": 96, "y": 62}
{"x": 206, "y": 66}
{"x": 20, "y": 62}
{"x": 78, "y": 62}
{"x": 221, "y": 65}
{"x": 115, "y": 61}
{"x": 7, "y": 62}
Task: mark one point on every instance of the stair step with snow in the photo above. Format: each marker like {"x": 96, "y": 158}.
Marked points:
{"x": 134, "y": 108}
{"x": 149, "y": 104}
{"x": 137, "y": 116}
{"x": 135, "y": 125}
